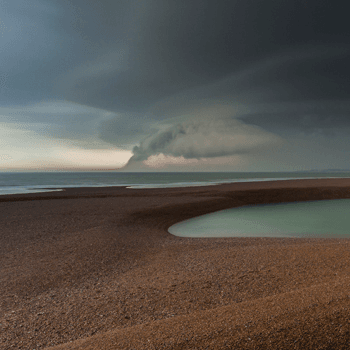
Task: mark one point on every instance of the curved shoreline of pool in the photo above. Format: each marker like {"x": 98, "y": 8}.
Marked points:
{"x": 321, "y": 219}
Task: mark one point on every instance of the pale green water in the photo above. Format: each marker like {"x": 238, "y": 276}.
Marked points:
{"x": 329, "y": 218}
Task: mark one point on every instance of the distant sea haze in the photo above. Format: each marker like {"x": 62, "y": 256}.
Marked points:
{"x": 20, "y": 182}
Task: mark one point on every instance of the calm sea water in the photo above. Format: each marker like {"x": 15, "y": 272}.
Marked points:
{"x": 11, "y": 183}
{"x": 327, "y": 218}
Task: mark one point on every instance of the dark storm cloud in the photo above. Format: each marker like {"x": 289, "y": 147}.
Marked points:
{"x": 167, "y": 47}
{"x": 289, "y": 119}
{"x": 129, "y": 54}
{"x": 279, "y": 66}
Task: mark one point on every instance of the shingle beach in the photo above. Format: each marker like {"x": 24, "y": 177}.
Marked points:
{"x": 95, "y": 268}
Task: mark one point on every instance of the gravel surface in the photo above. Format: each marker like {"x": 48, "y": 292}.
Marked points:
{"x": 95, "y": 268}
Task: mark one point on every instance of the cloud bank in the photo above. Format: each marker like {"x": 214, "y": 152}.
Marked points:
{"x": 211, "y": 133}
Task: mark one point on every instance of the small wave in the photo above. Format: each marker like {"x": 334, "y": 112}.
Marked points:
{"x": 17, "y": 190}
{"x": 221, "y": 182}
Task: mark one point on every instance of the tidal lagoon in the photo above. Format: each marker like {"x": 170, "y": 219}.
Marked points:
{"x": 328, "y": 218}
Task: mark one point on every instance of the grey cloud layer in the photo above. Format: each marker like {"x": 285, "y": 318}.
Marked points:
{"x": 143, "y": 69}
{"x": 60, "y": 120}
{"x": 127, "y": 55}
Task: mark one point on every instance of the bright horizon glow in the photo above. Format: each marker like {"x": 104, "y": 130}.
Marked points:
{"x": 65, "y": 159}
{"x": 35, "y": 152}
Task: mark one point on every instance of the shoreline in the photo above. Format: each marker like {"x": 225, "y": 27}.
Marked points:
{"x": 93, "y": 268}
{"x": 175, "y": 185}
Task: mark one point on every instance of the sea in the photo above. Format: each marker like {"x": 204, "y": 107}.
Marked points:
{"x": 31, "y": 182}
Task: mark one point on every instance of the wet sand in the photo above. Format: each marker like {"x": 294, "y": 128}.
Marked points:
{"x": 95, "y": 268}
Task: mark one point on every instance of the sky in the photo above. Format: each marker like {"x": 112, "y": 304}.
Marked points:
{"x": 164, "y": 85}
